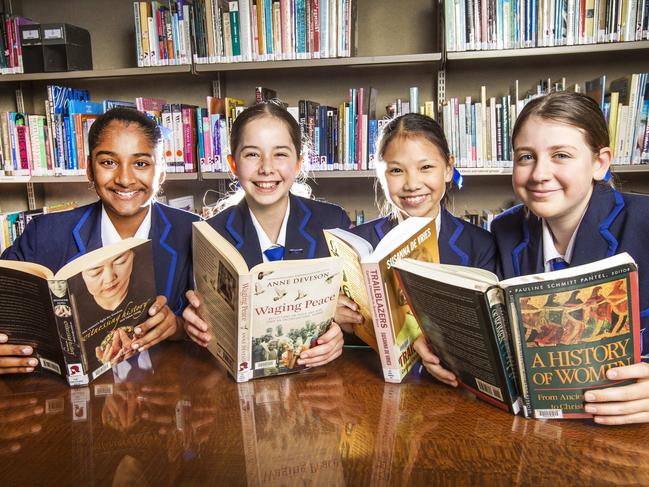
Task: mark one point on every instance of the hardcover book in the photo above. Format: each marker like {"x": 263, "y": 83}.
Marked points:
{"x": 552, "y": 336}
{"x": 80, "y": 321}
{"x": 388, "y": 325}
{"x": 262, "y": 318}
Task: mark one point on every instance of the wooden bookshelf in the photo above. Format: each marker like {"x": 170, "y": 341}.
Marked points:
{"x": 125, "y": 73}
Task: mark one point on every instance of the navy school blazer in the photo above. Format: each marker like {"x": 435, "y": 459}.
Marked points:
{"x": 304, "y": 237}
{"x": 614, "y": 222}
{"x": 460, "y": 242}
{"x": 55, "y": 239}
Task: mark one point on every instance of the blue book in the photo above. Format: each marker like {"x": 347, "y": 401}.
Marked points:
{"x": 300, "y": 27}
{"x": 268, "y": 7}
{"x": 85, "y": 107}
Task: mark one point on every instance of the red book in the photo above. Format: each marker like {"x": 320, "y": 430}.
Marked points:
{"x": 189, "y": 137}
{"x": 315, "y": 23}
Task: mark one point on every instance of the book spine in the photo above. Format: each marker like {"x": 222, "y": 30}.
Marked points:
{"x": 70, "y": 339}
{"x": 179, "y": 142}
{"x": 243, "y": 365}
{"x": 517, "y": 340}
{"x": 382, "y": 326}
{"x": 138, "y": 34}
{"x": 189, "y": 130}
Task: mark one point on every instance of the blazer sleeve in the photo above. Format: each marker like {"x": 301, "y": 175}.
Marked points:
{"x": 24, "y": 247}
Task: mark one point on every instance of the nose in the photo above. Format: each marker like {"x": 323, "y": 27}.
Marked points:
{"x": 265, "y": 164}
{"x": 124, "y": 176}
{"x": 542, "y": 169}
{"x": 108, "y": 275}
{"x": 412, "y": 182}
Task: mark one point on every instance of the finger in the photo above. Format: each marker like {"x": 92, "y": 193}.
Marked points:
{"x": 325, "y": 360}
{"x": 191, "y": 317}
{"x": 8, "y": 449}
{"x": 346, "y": 315}
{"x": 20, "y": 431}
{"x": 165, "y": 329}
{"x": 347, "y": 302}
{"x": 441, "y": 374}
{"x": 17, "y": 362}
{"x": 16, "y": 350}
{"x": 618, "y": 408}
{"x": 642, "y": 417}
{"x": 631, "y": 392}
{"x": 194, "y": 298}
{"x": 635, "y": 371}
{"x": 159, "y": 303}
{"x": 422, "y": 349}
{"x": 197, "y": 335}
{"x": 21, "y": 414}
{"x": 150, "y": 323}
{"x": 333, "y": 332}
{"x": 10, "y": 403}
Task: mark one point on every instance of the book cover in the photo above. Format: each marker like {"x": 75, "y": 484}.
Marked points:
{"x": 80, "y": 321}
{"x": 262, "y": 318}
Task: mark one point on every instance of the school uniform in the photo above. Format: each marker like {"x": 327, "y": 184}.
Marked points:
{"x": 460, "y": 242}
{"x": 304, "y": 223}
{"x": 613, "y": 223}
{"x": 55, "y": 239}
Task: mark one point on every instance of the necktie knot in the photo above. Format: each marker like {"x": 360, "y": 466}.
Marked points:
{"x": 558, "y": 263}
{"x": 274, "y": 253}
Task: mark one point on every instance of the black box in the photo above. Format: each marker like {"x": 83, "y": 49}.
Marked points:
{"x": 65, "y": 47}
{"x": 32, "y": 48}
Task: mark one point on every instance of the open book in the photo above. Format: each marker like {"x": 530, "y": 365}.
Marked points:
{"x": 388, "y": 326}
{"x": 262, "y": 318}
{"x": 544, "y": 337}
{"x": 80, "y": 321}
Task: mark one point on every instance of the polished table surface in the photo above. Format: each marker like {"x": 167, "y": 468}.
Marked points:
{"x": 185, "y": 422}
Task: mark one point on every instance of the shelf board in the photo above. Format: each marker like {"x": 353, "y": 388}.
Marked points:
{"x": 485, "y": 171}
{"x": 216, "y": 175}
{"x": 549, "y": 51}
{"x": 188, "y": 176}
{"x": 341, "y": 174}
{"x": 319, "y": 63}
{"x": 14, "y": 179}
{"x": 630, "y": 168}
{"x": 98, "y": 74}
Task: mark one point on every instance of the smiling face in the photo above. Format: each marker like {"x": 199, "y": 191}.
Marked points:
{"x": 266, "y": 162}
{"x": 416, "y": 175}
{"x": 124, "y": 170}
{"x": 554, "y": 170}
{"x": 108, "y": 282}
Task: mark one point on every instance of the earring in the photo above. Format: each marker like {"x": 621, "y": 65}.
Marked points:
{"x": 91, "y": 185}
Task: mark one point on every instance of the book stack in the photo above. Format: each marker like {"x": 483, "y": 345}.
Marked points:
{"x": 272, "y": 30}
{"x": 162, "y": 32}
{"x": 508, "y": 24}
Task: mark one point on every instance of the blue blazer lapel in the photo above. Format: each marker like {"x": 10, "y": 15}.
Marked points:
{"x": 301, "y": 240}
{"x": 450, "y": 231}
{"x": 594, "y": 239}
{"x": 527, "y": 255}
{"x": 86, "y": 233}
{"x": 383, "y": 226}
{"x": 165, "y": 255}
{"x": 244, "y": 236}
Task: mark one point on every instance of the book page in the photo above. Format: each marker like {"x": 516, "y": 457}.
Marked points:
{"x": 29, "y": 267}
{"x": 27, "y": 318}
{"x": 353, "y": 286}
{"x": 293, "y": 303}
{"x": 108, "y": 301}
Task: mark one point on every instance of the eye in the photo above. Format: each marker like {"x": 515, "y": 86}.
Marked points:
{"x": 524, "y": 158}
{"x": 281, "y": 154}
{"x": 394, "y": 170}
{"x": 562, "y": 155}
{"x": 108, "y": 163}
{"x": 427, "y": 167}
{"x": 251, "y": 155}
{"x": 142, "y": 163}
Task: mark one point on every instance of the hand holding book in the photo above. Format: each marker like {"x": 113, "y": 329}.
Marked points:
{"x": 161, "y": 324}
{"x": 15, "y": 358}
{"x": 432, "y": 362}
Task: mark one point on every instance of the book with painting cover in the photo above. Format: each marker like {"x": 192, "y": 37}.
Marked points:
{"x": 388, "y": 325}
{"x": 81, "y": 320}
{"x": 546, "y": 338}
{"x": 262, "y": 318}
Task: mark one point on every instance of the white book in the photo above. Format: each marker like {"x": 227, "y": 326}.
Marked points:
{"x": 245, "y": 30}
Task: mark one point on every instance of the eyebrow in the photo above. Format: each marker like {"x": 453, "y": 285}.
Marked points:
{"x": 114, "y": 154}
{"x": 554, "y": 147}
{"x": 284, "y": 147}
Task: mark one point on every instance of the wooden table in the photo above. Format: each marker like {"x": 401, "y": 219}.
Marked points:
{"x": 186, "y": 422}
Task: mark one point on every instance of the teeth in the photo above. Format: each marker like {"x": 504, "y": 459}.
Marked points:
{"x": 414, "y": 199}
{"x": 266, "y": 185}
{"x": 124, "y": 194}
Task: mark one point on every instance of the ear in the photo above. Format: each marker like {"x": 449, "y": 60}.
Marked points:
{"x": 602, "y": 163}
{"x": 233, "y": 166}
{"x": 89, "y": 173}
{"x": 450, "y": 167}
{"x": 163, "y": 173}
{"x": 298, "y": 165}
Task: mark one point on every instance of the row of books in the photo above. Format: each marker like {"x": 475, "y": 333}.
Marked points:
{"x": 162, "y": 32}
{"x": 11, "y": 55}
{"x": 508, "y": 24}
{"x": 213, "y": 31}
{"x": 13, "y": 224}
{"x": 479, "y": 131}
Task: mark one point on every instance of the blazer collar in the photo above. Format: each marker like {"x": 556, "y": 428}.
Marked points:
{"x": 86, "y": 233}
{"x": 451, "y": 229}
{"x": 384, "y": 225}
{"x": 164, "y": 254}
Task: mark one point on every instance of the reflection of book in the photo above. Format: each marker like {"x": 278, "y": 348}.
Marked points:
{"x": 262, "y": 318}
{"x": 80, "y": 320}
{"x": 388, "y": 325}
{"x": 567, "y": 329}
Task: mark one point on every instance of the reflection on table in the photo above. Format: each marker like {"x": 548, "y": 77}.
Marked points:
{"x": 185, "y": 421}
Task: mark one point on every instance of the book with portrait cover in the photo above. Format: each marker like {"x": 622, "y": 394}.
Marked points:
{"x": 262, "y": 318}
{"x": 80, "y": 321}
{"x": 544, "y": 338}
{"x": 388, "y": 325}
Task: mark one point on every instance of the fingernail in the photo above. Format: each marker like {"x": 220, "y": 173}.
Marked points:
{"x": 15, "y": 448}
{"x": 589, "y": 396}
{"x": 611, "y": 374}
{"x": 153, "y": 310}
{"x": 36, "y": 428}
{"x": 3, "y": 338}
{"x": 138, "y": 330}
{"x": 590, "y": 409}
{"x": 33, "y": 400}
{"x": 33, "y": 362}
{"x": 27, "y": 350}
{"x": 135, "y": 346}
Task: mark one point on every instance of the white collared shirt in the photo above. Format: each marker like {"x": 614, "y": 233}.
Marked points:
{"x": 110, "y": 235}
{"x": 550, "y": 251}
{"x": 265, "y": 243}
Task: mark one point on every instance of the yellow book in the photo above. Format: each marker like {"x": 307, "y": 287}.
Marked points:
{"x": 612, "y": 119}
